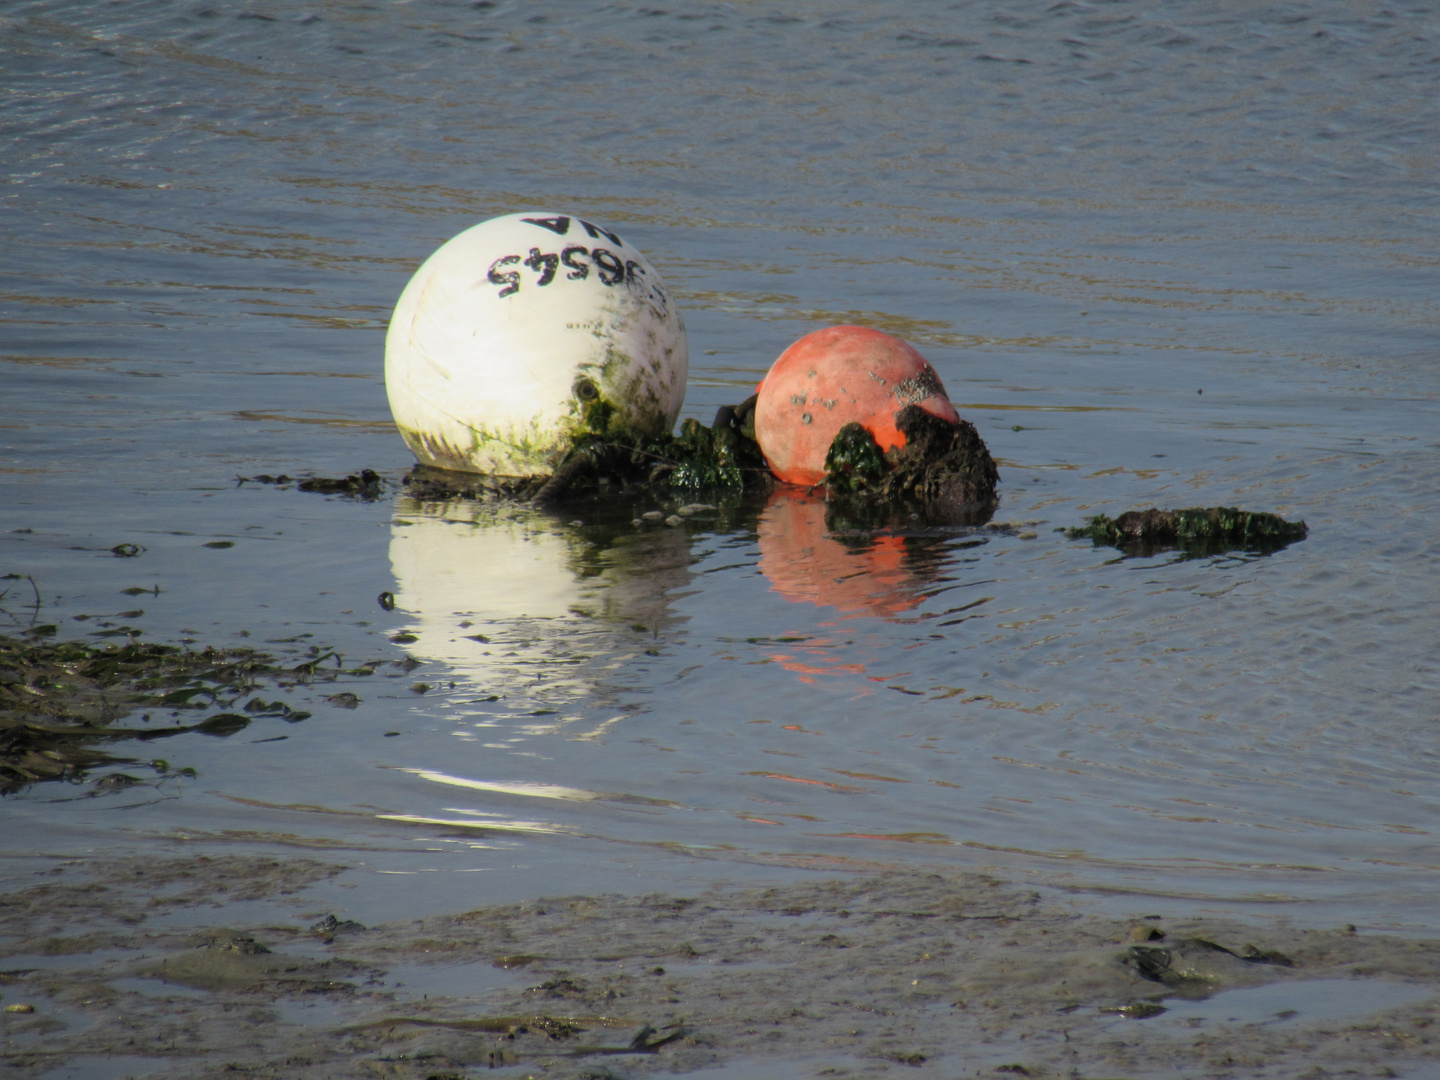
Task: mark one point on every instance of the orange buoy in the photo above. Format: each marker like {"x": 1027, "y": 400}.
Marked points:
{"x": 834, "y": 376}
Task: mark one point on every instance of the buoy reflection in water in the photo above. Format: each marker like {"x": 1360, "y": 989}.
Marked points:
{"x": 808, "y": 564}
{"x": 517, "y": 603}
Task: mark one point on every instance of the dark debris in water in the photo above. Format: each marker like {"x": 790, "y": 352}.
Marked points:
{"x": 61, "y": 702}
{"x": 1196, "y": 531}
{"x": 367, "y": 484}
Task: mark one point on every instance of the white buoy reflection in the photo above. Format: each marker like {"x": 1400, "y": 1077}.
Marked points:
{"x": 527, "y": 611}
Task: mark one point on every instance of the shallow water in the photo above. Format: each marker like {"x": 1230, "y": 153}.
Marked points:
{"x": 1159, "y": 255}
{"x": 1287, "y": 1004}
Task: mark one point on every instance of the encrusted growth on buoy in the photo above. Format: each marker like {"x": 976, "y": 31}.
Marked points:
{"x": 944, "y": 470}
{"x": 855, "y": 461}
{"x": 700, "y": 458}
{"x": 1196, "y": 530}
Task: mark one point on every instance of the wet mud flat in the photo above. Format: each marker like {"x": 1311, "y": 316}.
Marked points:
{"x": 138, "y": 965}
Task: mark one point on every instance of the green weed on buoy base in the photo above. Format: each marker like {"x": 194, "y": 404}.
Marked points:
{"x": 525, "y": 334}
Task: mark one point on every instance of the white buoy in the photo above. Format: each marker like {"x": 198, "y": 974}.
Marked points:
{"x": 524, "y": 332}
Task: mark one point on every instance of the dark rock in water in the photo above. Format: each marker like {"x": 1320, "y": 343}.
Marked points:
{"x": 365, "y": 485}
{"x": 1197, "y": 531}
{"x": 330, "y": 927}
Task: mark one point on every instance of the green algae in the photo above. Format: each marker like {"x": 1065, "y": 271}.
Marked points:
{"x": 855, "y": 461}
{"x": 724, "y": 457}
{"x": 60, "y": 702}
{"x": 1195, "y": 530}
{"x": 943, "y": 473}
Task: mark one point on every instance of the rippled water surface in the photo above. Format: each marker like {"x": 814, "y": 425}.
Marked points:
{"x": 1160, "y": 253}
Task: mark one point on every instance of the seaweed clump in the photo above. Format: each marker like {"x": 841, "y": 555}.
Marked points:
{"x": 721, "y": 458}
{"x": 724, "y": 456}
{"x": 944, "y": 470}
{"x": 366, "y": 485}
{"x": 1196, "y": 530}
{"x": 60, "y": 700}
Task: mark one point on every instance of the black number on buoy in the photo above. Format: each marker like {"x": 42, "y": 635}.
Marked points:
{"x": 510, "y": 280}
{"x": 596, "y": 232}
{"x": 558, "y": 225}
{"x": 612, "y": 270}
{"x": 544, "y": 265}
{"x": 579, "y": 271}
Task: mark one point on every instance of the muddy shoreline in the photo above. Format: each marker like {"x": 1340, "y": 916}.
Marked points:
{"x": 909, "y": 973}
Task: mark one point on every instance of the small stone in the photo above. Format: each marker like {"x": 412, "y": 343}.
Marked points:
{"x": 1136, "y": 1010}
{"x": 674, "y": 519}
{"x": 1029, "y": 534}
{"x": 20, "y": 1008}
{"x": 653, "y": 515}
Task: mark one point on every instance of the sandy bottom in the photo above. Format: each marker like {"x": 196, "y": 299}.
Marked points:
{"x": 216, "y": 967}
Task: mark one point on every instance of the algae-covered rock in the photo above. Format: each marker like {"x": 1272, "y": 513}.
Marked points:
{"x": 944, "y": 470}
{"x": 1196, "y": 530}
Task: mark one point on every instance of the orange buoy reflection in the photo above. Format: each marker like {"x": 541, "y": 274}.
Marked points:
{"x": 806, "y": 564}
